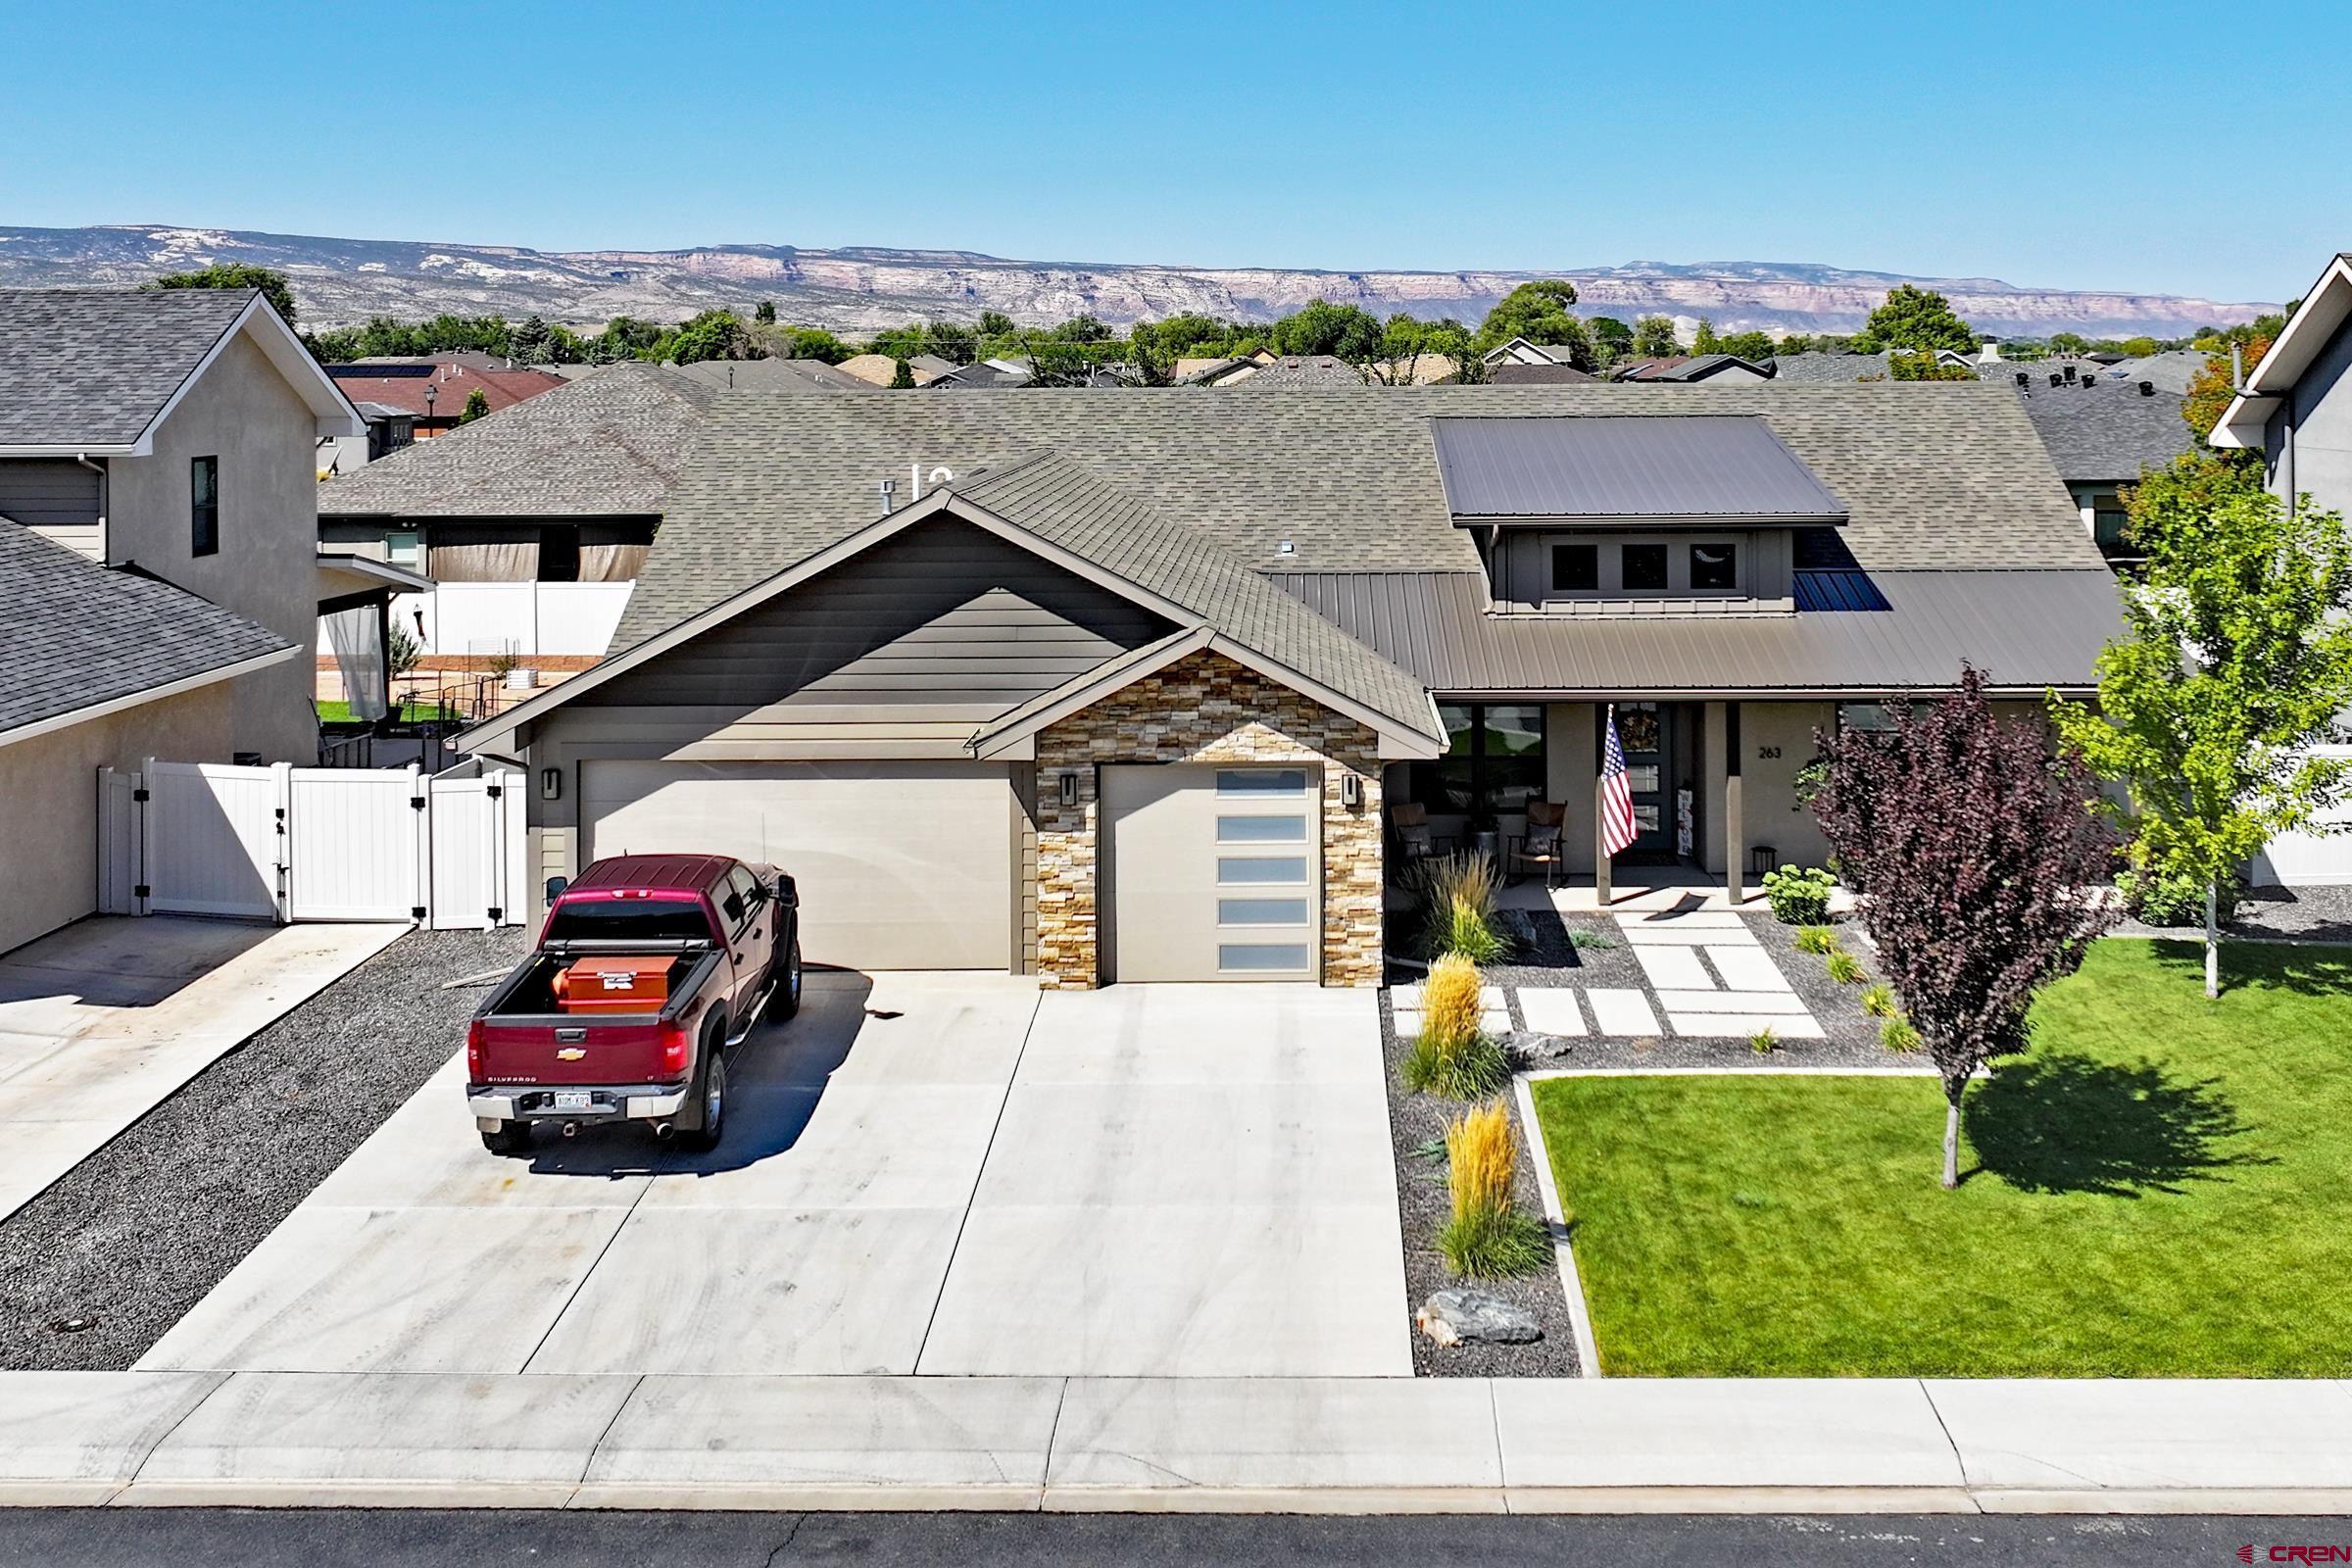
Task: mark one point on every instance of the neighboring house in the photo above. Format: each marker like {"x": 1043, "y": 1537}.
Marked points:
{"x": 1295, "y": 370}
{"x": 175, "y": 433}
{"x": 2296, "y": 404}
{"x": 1726, "y": 369}
{"x": 880, "y": 370}
{"x": 989, "y": 375}
{"x": 779, "y": 375}
{"x": 1519, "y": 351}
{"x": 388, "y": 430}
{"x": 1199, "y": 371}
{"x": 2102, "y": 437}
{"x": 1515, "y": 374}
{"x": 433, "y": 390}
{"x": 562, "y": 492}
{"x": 1129, "y": 688}
{"x": 1813, "y": 368}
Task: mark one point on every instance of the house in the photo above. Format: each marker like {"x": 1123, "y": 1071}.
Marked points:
{"x": 1727, "y": 368}
{"x": 1815, "y": 367}
{"x": 158, "y": 546}
{"x": 880, "y": 370}
{"x": 781, "y": 375}
{"x": 1295, "y": 371}
{"x": 989, "y": 375}
{"x": 1519, "y": 351}
{"x": 532, "y": 525}
{"x": 434, "y": 390}
{"x": 2102, "y": 437}
{"x": 2297, "y": 402}
{"x": 1513, "y": 374}
{"x": 1129, "y": 687}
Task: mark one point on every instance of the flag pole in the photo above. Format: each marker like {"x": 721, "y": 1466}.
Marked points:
{"x": 1602, "y": 891}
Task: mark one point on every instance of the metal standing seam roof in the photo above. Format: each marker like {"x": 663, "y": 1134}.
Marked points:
{"x": 95, "y": 367}
{"x": 2027, "y": 628}
{"x": 1056, "y": 498}
{"x": 1626, "y": 467}
{"x": 79, "y": 634}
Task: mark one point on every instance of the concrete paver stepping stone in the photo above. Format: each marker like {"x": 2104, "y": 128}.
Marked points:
{"x": 1622, "y": 1011}
{"x": 1746, "y": 968}
{"x": 1764, "y": 1001}
{"x": 1740, "y": 1026}
{"x": 1552, "y": 1010}
{"x": 1674, "y": 968}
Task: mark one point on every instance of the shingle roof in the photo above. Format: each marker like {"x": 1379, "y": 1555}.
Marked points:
{"x": 452, "y": 382}
{"x": 2171, "y": 370}
{"x": 77, "y": 634}
{"x": 607, "y": 445}
{"x": 780, "y": 376}
{"x": 1303, "y": 371}
{"x": 1508, "y": 374}
{"x": 1816, "y": 368}
{"x": 1058, "y": 499}
{"x": 2107, "y": 433}
{"x": 1628, "y": 466}
{"x": 95, "y": 367}
{"x": 2026, "y": 629}
{"x": 1685, "y": 368}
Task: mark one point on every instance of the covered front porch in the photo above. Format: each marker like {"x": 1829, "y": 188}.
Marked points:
{"x": 1716, "y": 787}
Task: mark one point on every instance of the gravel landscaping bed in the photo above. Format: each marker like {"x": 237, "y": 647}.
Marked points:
{"x": 1414, "y": 1122}
{"x": 135, "y": 1235}
{"x": 2295, "y": 914}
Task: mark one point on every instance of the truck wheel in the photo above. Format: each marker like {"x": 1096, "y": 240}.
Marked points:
{"x": 507, "y": 1138}
{"x": 711, "y": 1095}
{"x": 787, "y": 999}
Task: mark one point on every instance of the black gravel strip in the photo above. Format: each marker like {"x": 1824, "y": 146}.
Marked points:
{"x": 135, "y": 1235}
{"x": 2282, "y": 915}
{"x": 1415, "y": 1122}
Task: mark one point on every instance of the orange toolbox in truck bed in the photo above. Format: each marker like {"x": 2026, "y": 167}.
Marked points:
{"x": 614, "y": 985}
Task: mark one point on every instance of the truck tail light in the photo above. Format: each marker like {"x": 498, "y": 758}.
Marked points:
{"x": 677, "y": 1050}
{"x": 477, "y": 1058}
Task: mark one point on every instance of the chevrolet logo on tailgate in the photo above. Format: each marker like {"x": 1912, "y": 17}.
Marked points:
{"x": 570, "y": 1054}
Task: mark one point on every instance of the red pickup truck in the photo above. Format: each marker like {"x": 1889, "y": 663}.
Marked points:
{"x": 650, "y": 971}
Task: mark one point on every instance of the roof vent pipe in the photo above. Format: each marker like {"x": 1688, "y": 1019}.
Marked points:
{"x": 942, "y": 474}
{"x": 888, "y": 486}
{"x": 2147, "y": 389}
{"x": 2237, "y": 367}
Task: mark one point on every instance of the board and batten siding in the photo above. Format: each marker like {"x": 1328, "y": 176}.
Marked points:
{"x": 946, "y": 623}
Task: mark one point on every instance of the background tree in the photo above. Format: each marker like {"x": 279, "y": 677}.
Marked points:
{"x": 2211, "y": 390}
{"x": 1345, "y": 331}
{"x": 1409, "y": 346}
{"x": 1654, "y": 338}
{"x": 712, "y": 335}
{"x": 765, "y": 314}
{"x": 1704, "y": 340}
{"x": 1923, "y": 366}
{"x": 531, "y": 342}
{"x": 1975, "y": 849}
{"x": 2238, "y": 659}
{"x": 477, "y": 404}
{"x": 1757, "y": 346}
{"x": 996, "y": 324}
{"x": 235, "y": 275}
{"x": 1914, "y": 319}
{"x": 901, "y": 377}
{"x": 1538, "y": 313}
{"x": 1612, "y": 340}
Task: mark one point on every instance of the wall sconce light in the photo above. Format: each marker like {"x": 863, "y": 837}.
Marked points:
{"x": 1351, "y": 790}
{"x": 550, "y": 783}
{"x": 1069, "y": 789}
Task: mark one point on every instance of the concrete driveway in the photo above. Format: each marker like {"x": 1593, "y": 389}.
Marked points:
{"x": 103, "y": 1019}
{"x": 943, "y": 1173}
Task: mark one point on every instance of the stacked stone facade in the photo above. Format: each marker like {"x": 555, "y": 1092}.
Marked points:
{"x": 1207, "y": 708}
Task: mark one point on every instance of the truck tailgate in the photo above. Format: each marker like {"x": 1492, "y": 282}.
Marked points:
{"x": 587, "y": 1049}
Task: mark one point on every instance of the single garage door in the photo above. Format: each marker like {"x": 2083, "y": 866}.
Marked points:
{"x": 901, "y": 865}
{"x": 1215, "y": 872}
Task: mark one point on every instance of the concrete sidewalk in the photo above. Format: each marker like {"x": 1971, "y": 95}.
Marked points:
{"x": 102, "y": 1020}
{"x": 1324, "y": 1445}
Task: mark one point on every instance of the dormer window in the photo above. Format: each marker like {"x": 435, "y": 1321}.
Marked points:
{"x": 1642, "y": 569}
{"x": 1575, "y": 568}
{"x": 1714, "y": 569}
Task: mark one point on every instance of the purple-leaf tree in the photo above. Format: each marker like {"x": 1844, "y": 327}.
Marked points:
{"x": 1981, "y": 866}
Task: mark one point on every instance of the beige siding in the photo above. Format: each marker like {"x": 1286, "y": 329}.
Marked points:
{"x": 49, "y": 855}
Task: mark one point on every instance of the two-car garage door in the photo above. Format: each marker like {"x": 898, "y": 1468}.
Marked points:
{"x": 901, "y": 865}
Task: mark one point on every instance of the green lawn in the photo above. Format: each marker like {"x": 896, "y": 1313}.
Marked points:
{"x": 2163, "y": 1187}
{"x": 411, "y": 713}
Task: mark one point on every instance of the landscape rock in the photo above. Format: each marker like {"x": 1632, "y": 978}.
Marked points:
{"x": 1459, "y": 1314}
{"x": 1525, "y": 1045}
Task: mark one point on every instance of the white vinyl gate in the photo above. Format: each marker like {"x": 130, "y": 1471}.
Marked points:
{"x": 290, "y": 844}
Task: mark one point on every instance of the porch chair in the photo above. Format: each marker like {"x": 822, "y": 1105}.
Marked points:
{"x": 1541, "y": 845}
{"x": 1408, "y": 824}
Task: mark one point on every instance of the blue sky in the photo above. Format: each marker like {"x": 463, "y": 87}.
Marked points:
{"x": 2064, "y": 144}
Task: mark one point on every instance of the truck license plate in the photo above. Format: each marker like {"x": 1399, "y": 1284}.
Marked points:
{"x": 572, "y": 1100}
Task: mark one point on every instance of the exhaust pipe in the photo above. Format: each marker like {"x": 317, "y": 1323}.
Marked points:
{"x": 665, "y": 1130}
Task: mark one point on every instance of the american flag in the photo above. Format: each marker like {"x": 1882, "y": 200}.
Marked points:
{"x": 1617, "y": 828}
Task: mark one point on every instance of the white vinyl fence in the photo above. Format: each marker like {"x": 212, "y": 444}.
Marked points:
{"x": 288, "y": 843}
{"x": 519, "y": 617}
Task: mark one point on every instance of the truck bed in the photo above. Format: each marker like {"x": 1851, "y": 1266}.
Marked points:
{"x": 525, "y": 1039}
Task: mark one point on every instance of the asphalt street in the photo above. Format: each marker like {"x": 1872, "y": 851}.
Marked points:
{"x": 120, "y": 1537}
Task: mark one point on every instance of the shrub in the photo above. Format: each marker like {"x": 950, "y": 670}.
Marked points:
{"x": 2176, "y": 901}
{"x": 1764, "y": 1042}
{"x": 1798, "y": 896}
{"x": 1844, "y": 969}
{"x": 1456, "y": 896}
{"x": 1879, "y": 1000}
{"x": 1486, "y": 1237}
{"x": 1817, "y": 939}
{"x": 1897, "y": 1034}
{"x": 1588, "y": 941}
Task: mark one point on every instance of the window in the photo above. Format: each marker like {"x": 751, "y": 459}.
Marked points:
{"x": 1256, "y": 956}
{"x": 1243, "y": 871}
{"x": 1871, "y": 719}
{"x": 1261, "y": 829}
{"x": 745, "y": 895}
{"x": 629, "y": 921}
{"x": 1261, "y": 912}
{"x": 1575, "y": 568}
{"x": 1642, "y": 568}
{"x": 401, "y": 547}
{"x": 1262, "y": 781}
{"x": 1714, "y": 567}
{"x": 204, "y": 506}
{"x": 1494, "y": 761}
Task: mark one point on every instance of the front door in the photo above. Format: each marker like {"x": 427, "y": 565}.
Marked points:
{"x": 1645, "y": 731}
{"x": 1214, "y": 873}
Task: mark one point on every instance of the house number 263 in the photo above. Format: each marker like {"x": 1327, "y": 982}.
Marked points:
{"x": 1768, "y": 754}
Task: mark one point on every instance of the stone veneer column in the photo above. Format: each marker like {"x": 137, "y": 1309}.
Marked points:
{"x": 1207, "y": 708}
